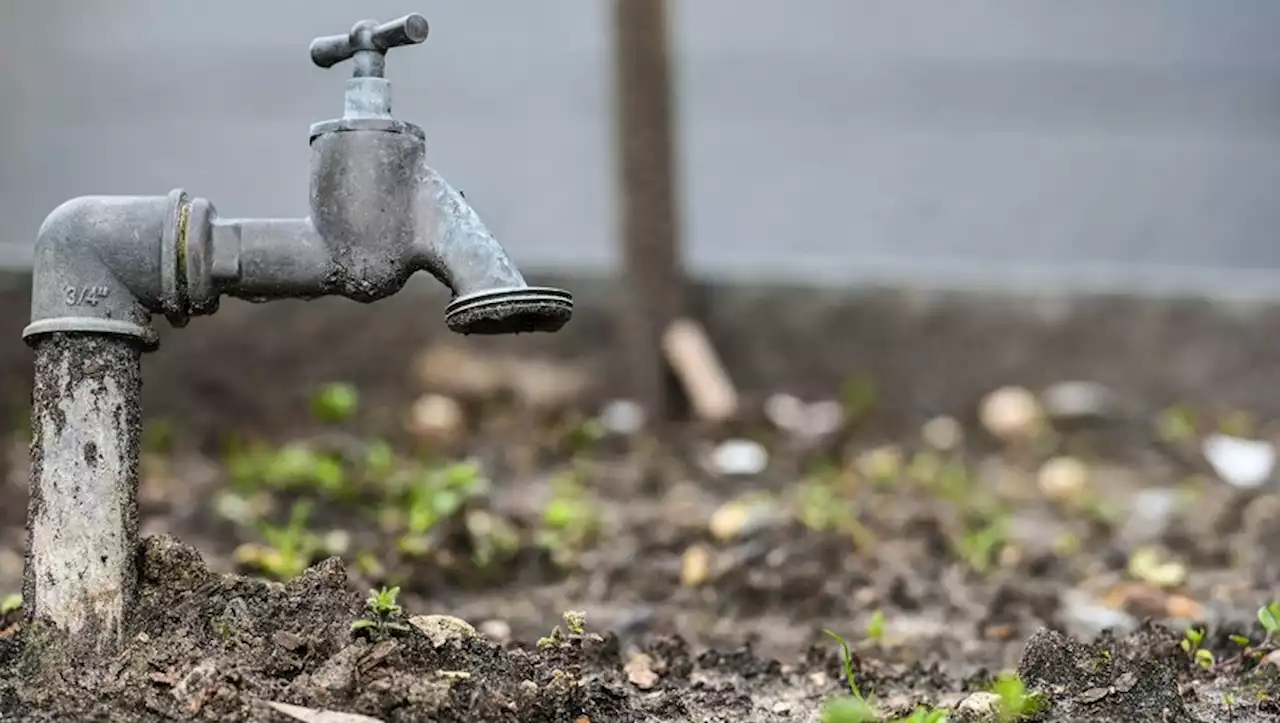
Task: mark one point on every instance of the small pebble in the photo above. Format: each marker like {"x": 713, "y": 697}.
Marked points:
{"x": 696, "y": 566}
{"x": 1086, "y": 617}
{"x": 1152, "y": 565}
{"x": 785, "y": 411}
{"x": 336, "y": 543}
{"x": 740, "y": 457}
{"x": 1245, "y": 463}
{"x": 1011, "y": 413}
{"x": 942, "y": 433}
{"x": 443, "y": 629}
{"x": 980, "y": 707}
{"x": 435, "y": 416}
{"x": 738, "y": 518}
{"x": 1077, "y": 401}
{"x": 1063, "y": 479}
{"x": 1152, "y": 512}
{"x": 622, "y": 417}
{"x": 1093, "y": 695}
{"x": 639, "y": 670}
{"x": 823, "y": 418}
{"x": 499, "y": 631}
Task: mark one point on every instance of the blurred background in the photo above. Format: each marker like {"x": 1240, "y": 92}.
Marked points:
{"x": 833, "y": 140}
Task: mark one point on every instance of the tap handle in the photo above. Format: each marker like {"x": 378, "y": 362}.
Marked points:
{"x": 369, "y": 42}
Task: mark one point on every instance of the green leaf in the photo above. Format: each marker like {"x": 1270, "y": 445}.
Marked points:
{"x": 1204, "y": 658}
{"x": 11, "y": 603}
{"x": 848, "y": 710}
{"x": 336, "y": 402}
{"x": 362, "y": 625}
{"x": 1269, "y": 617}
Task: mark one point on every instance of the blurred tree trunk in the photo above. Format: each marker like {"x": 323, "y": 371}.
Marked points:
{"x": 653, "y": 281}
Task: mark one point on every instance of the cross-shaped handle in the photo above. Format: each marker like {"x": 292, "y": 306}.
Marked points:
{"x": 368, "y": 43}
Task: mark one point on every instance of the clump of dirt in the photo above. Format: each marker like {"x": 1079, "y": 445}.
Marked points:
{"x": 209, "y": 647}
{"x": 1134, "y": 679}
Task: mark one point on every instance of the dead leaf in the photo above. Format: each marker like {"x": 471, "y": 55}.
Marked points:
{"x": 640, "y": 671}
{"x": 311, "y": 715}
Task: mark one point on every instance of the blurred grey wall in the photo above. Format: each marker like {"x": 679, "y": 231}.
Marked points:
{"x": 835, "y": 139}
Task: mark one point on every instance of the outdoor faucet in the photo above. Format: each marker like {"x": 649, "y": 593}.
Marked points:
{"x": 105, "y": 264}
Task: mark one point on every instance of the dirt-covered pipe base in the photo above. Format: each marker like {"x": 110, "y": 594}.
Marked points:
{"x": 82, "y": 522}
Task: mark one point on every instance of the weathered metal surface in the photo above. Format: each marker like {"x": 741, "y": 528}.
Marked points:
{"x": 83, "y": 515}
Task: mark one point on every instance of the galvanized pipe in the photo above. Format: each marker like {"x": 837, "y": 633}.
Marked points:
{"x": 82, "y": 519}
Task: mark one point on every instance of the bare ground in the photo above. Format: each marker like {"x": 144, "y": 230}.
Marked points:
{"x": 705, "y": 594}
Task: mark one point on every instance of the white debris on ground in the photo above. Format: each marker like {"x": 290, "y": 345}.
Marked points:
{"x": 622, "y": 417}
{"x": 1011, "y": 413}
{"x": 1245, "y": 463}
{"x": 739, "y": 457}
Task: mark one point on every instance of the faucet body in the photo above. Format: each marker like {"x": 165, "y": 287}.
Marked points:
{"x": 379, "y": 213}
{"x": 104, "y": 265}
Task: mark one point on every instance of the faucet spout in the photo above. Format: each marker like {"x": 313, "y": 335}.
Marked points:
{"x": 490, "y": 294}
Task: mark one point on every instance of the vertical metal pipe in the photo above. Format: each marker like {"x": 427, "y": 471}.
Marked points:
{"x": 651, "y": 270}
{"x": 82, "y": 521}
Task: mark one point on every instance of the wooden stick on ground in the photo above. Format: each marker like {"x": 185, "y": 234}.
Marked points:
{"x": 707, "y": 385}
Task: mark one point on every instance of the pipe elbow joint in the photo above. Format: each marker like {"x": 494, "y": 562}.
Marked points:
{"x": 105, "y": 264}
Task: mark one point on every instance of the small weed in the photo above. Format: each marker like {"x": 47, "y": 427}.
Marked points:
{"x": 853, "y": 708}
{"x": 978, "y": 546}
{"x": 222, "y": 628}
{"x": 1240, "y": 640}
{"x": 858, "y": 396}
{"x": 1016, "y": 702}
{"x": 335, "y": 403}
{"x": 383, "y": 611}
{"x": 289, "y": 548}
{"x": 294, "y": 466}
{"x": 576, "y": 623}
{"x": 571, "y": 520}
{"x": 1191, "y": 641}
{"x": 1178, "y": 424}
{"x": 437, "y": 495}
{"x": 157, "y": 437}
{"x": 822, "y": 507}
{"x": 1269, "y": 618}
{"x": 875, "y": 626}
{"x": 846, "y": 709}
{"x": 10, "y": 603}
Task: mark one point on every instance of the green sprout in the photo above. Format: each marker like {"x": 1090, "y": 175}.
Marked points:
{"x": 295, "y": 466}
{"x": 335, "y": 403}
{"x": 575, "y": 622}
{"x": 1178, "y": 424}
{"x": 1191, "y": 642}
{"x": 288, "y": 549}
{"x": 875, "y": 626}
{"x": 977, "y": 547}
{"x": 1269, "y": 618}
{"x": 853, "y": 708}
{"x": 571, "y": 520}
{"x": 845, "y": 709}
{"x": 1240, "y": 640}
{"x": 858, "y": 396}
{"x": 10, "y": 603}
{"x": 1016, "y": 702}
{"x": 383, "y": 610}
{"x": 437, "y": 495}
